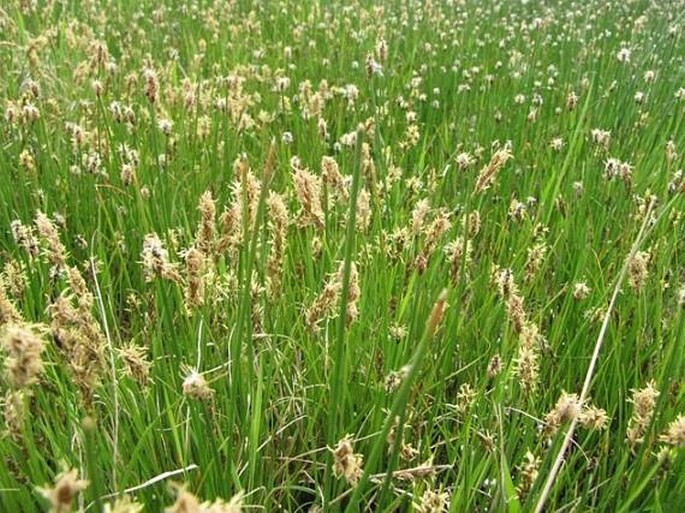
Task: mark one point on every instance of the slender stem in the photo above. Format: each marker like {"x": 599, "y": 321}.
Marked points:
{"x": 549, "y": 483}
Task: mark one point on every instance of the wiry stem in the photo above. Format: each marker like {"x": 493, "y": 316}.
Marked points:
{"x": 544, "y": 495}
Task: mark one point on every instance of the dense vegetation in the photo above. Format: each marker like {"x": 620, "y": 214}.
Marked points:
{"x": 315, "y": 256}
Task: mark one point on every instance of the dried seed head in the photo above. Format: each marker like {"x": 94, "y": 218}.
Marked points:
{"x": 136, "y": 362}
{"x": 601, "y": 137}
{"x": 580, "y": 291}
{"x": 489, "y": 173}
{"x": 346, "y": 463}
{"x": 675, "y": 433}
{"x": 495, "y": 366}
{"x": 24, "y": 236}
{"x": 433, "y": 502}
{"x": 155, "y": 260}
{"x": 54, "y": 249}
{"x": 418, "y": 216}
{"x": 644, "y": 403}
{"x": 566, "y": 410}
{"x": 528, "y": 473}
{"x": 638, "y": 270}
{"x": 278, "y": 225}
{"x": 437, "y": 313}
{"x": 195, "y": 272}
{"x": 459, "y": 254}
{"x": 125, "y": 504}
{"x": 151, "y": 85}
{"x": 195, "y": 385}
{"x": 23, "y": 345}
{"x": 334, "y": 180}
{"x": 206, "y": 232}
{"x": 308, "y": 190}
{"x": 594, "y": 418}
{"x": 527, "y": 368}
{"x": 466, "y": 396}
{"x": 62, "y": 495}
{"x": 14, "y": 413}
{"x": 8, "y": 312}
{"x": 185, "y": 502}
{"x": 363, "y": 210}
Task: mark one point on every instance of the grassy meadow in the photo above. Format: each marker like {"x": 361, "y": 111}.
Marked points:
{"x": 323, "y": 256}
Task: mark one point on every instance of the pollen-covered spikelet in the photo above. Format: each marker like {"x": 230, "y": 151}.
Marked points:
{"x": 354, "y": 294}
{"x": 418, "y": 216}
{"x": 495, "y": 366}
{"x": 516, "y": 312}
{"x": 489, "y": 173}
{"x": 155, "y": 260}
{"x": 256, "y": 304}
{"x": 278, "y": 234}
{"x": 187, "y": 502}
{"x": 459, "y": 254}
{"x": 526, "y": 363}
{"x": 346, "y": 463}
{"x": 507, "y": 289}
{"x": 333, "y": 179}
{"x": 54, "y": 250}
{"x": 195, "y": 385}
{"x": 195, "y": 279}
{"x": 368, "y": 167}
{"x": 566, "y": 409}
{"x": 675, "y": 433}
{"x": 23, "y": 346}
{"x": 324, "y": 305}
{"x": 25, "y": 237}
{"x": 151, "y": 85}
{"x": 135, "y": 362}
{"x": 245, "y": 190}
{"x": 14, "y": 413}
{"x": 536, "y": 257}
{"x": 231, "y": 227}
{"x": 66, "y": 488}
{"x": 363, "y": 210}
{"x": 580, "y": 291}
{"x": 593, "y": 418}
{"x": 407, "y": 451}
{"x": 206, "y": 231}
{"x": 434, "y": 231}
{"x": 644, "y": 403}
{"x": 528, "y": 474}
{"x": 308, "y": 190}
{"x": 78, "y": 335}
{"x": 433, "y": 502}
{"x": 8, "y": 311}
{"x": 394, "y": 379}
{"x": 125, "y": 504}
{"x": 638, "y": 270}
{"x": 466, "y": 397}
